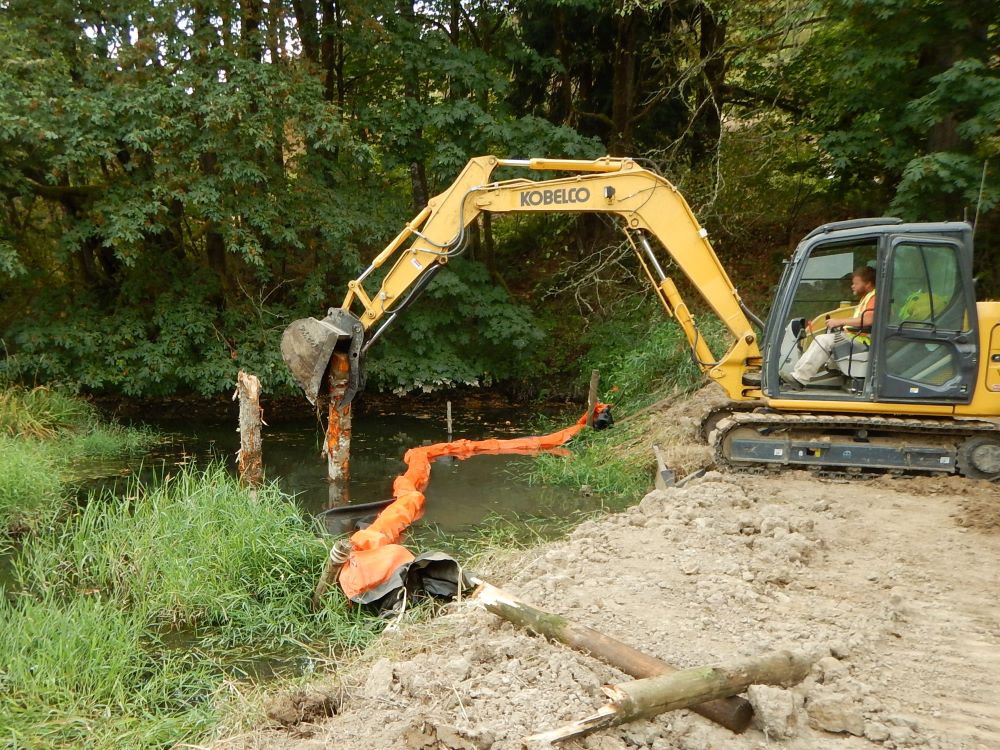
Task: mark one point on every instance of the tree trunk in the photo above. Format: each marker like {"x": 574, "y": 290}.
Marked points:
{"x": 250, "y": 462}
{"x": 623, "y": 85}
{"x": 732, "y": 713}
{"x": 411, "y": 90}
{"x": 652, "y": 696}
{"x": 305, "y": 22}
{"x": 707, "y": 126}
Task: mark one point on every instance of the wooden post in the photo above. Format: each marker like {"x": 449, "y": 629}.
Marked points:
{"x": 339, "y": 554}
{"x": 595, "y": 379}
{"x": 732, "y": 713}
{"x": 449, "y": 421}
{"x": 249, "y": 461}
{"x": 338, "y": 431}
{"x": 650, "y": 697}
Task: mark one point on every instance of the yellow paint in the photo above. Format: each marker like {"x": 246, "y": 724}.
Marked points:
{"x": 645, "y": 201}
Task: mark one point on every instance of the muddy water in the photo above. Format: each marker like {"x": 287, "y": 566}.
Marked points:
{"x": 461, "y": 493}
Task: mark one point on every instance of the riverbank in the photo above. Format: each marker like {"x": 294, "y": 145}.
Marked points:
{"x": 888, "y": 581}
{"x": 46, "y": 438}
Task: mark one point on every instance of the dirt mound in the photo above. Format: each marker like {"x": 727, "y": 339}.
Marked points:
{"x": 895, "y": 598}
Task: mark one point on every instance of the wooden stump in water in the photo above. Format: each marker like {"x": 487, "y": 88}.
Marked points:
{"x": 338, "y": 432}
{"x": 249, "y": 459}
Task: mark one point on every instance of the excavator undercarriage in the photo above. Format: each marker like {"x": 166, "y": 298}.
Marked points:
{"x": 855, "y": 445}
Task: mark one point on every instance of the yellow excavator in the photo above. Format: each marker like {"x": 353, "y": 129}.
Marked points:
{"x": 923, "y": 396}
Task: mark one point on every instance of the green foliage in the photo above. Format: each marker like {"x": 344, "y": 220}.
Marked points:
{"x": 180, "y": 182}
{"x": 84, "y": 673}
{"x": 175, "y": 344}
{"x": 906, "y": 95}
{"x": 464, "y": 330}
{"x": 641, "y": 352}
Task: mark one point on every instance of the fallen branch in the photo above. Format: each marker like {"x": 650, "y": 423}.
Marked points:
{"x": 732, "y": 713}
{"x": 650, "y": 697}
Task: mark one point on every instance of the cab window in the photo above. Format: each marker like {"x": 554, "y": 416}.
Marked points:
{"x": 826, "y": 279}
{"x": 927, "y": 288}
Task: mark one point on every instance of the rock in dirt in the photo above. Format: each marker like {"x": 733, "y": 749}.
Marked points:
{"x": 380, "y": 680}
{"x": 431, "y": 734}
{"x": 836, "y": 713}
{"x": 308, "y": 704}
{"x": 776, "y": 711}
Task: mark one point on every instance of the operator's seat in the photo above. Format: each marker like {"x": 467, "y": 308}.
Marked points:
{"x": 851, "y": 357}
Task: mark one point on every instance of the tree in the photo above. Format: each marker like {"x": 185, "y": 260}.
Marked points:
{"x": 906, "y": 98}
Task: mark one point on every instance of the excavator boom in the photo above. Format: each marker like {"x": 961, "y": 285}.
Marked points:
{"x": 648, "y": 206}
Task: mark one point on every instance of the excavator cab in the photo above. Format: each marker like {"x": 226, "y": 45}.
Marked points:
{"x": 924, "y": 339}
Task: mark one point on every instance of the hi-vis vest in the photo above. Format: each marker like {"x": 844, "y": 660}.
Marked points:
{"x": 854, "y": 334}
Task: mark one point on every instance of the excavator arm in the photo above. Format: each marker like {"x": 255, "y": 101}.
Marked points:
{"x": 648, "y": 206}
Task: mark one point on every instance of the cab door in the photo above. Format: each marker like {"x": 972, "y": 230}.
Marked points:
{"x": 927, "y": 348}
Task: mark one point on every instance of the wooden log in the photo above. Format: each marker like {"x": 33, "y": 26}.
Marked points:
{"x": 249, "y": 460}
{"x": 652, "y": 696}
{"x": 732, "y": 713}
{"x": 595, "y": 379}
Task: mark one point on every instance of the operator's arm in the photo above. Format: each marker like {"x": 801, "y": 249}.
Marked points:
{"x": 864, "y": 321}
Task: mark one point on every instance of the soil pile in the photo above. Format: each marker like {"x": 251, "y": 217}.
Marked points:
{"x": 892, "y": 584}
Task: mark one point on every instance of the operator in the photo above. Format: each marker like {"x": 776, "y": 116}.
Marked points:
{"x": 856, "y": 328}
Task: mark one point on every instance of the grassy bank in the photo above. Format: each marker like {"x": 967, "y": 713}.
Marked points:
{"x": 144, "y": 598}
{"x": 642, "y": 363}
{"x": 44, "y": 436}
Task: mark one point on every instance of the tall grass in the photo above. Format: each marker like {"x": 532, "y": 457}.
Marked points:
{"x": 83, "y": 673}
{"x": 198, "y": 552}
{"x": 42, "y": 412}
{"x": 200, "y": 562}
{"x": 45, "y": 437}
{"x": 30, "y": 488}
{"x": 642, "y": 362}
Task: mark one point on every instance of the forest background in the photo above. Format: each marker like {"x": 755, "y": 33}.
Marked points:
{"x": 180, "y": 179}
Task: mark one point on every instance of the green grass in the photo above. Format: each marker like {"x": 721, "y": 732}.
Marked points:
{"x": 30, "y": 487}
{"x": 200, "y": 562}
{"x": 46, "y": 439}
{"x": 42, "y": 412}
{"x": 103, "y": 440}
{"x": 202, "y": 553}
{"x": 83, "y": 673}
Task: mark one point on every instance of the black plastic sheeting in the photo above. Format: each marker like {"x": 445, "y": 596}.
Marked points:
{"x": 429, "y": 574}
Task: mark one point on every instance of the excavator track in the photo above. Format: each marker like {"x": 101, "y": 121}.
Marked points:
{"x": 856, "y": 446}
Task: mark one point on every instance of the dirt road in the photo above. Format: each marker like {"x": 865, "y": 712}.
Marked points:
{"x": 893, "y": 583}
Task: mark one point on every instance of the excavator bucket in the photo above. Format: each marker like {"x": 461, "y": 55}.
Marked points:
{"x": 308, "y": 344}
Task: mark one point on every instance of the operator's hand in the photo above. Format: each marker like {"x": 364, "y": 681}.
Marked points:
{"x": 832, "y": 323}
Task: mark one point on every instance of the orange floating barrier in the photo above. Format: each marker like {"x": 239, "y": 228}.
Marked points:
{"x": 376, "y": 554}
